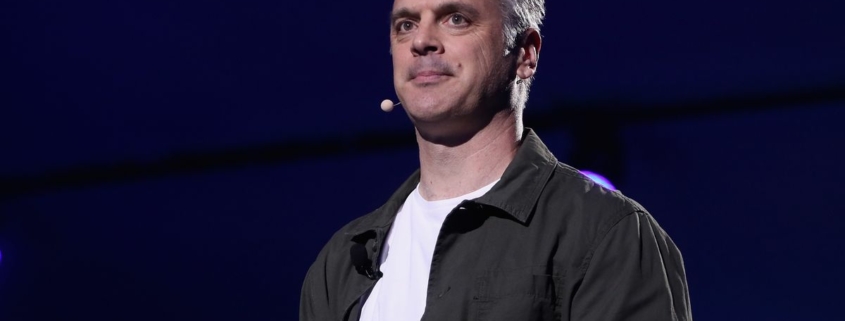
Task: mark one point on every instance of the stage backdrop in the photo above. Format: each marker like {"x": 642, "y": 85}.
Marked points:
{"x": 187, "y": 160}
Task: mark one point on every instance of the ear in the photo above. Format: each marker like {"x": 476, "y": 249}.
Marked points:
{"x": 529, "y": 53}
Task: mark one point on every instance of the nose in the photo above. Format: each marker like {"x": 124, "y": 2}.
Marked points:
{"x": 426, "y": 40}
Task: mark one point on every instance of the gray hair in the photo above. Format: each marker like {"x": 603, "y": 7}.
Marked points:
{"x": 519, "y": 16}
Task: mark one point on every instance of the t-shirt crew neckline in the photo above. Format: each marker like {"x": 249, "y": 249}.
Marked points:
{"x": 449, "y": 202}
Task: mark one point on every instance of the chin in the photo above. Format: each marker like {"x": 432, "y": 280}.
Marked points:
{"x": 429, "y": 110}
{"x": 431, "y": 105}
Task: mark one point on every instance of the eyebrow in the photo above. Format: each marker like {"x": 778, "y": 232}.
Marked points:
{"x": 447, "y": 7}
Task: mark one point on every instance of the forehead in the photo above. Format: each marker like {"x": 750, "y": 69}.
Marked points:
{"x": 423, "y": 5}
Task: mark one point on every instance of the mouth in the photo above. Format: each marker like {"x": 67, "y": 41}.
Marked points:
{"x": 425, "y": 77}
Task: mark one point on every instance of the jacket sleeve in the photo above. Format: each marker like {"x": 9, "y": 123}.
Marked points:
{"x": 635, "y": 273}
{"x": 314, "y": 299}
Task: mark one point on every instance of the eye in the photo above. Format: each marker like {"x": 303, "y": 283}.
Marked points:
{"x": 457, "y": 19}
{"x": 405, "y": 26}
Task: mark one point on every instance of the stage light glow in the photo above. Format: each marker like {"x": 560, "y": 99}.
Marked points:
{"x": 601, "y": 180}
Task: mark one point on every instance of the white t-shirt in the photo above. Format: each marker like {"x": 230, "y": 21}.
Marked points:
{"x": 406, "y": 258}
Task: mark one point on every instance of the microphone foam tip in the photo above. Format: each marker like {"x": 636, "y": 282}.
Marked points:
{"x": 387, "y": 105}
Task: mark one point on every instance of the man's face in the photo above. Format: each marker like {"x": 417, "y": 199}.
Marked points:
{"x": 449, "y": 60}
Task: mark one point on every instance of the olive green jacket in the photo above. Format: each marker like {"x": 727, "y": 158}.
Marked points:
{"x": 545, "y": 243}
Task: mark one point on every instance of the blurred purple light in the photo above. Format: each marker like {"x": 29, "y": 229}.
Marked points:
{"x": 601, "y": 180}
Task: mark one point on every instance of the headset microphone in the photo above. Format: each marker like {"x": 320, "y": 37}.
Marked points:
{"x": 387, "y": 105}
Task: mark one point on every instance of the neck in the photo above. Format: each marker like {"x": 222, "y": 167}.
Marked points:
{"x": 452, "y": 170}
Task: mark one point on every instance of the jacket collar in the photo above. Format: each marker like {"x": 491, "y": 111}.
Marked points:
{"x": 518, "y": 190}
{"x": 515, "y": 193}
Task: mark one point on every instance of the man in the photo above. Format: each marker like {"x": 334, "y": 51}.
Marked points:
{"x": 492, "y": 226}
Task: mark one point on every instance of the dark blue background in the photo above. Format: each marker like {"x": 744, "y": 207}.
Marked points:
{"x": 187, "y": 159}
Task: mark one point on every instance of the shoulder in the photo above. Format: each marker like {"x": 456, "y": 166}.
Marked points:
{"x": 341, "y": 238}
{"x": 337, "y": 248}
{"x": 333, "y": 266}
{"x": 573, "y": 186}
{"x": 578, "y": 203}
{"x": 329, "y": 279}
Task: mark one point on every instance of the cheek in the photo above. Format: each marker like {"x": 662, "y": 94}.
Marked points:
{"x": 400, "y": 64}
{"x": 485, "y": 52}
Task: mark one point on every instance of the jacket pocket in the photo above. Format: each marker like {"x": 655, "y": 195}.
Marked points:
{"x": 516, "y": 294}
